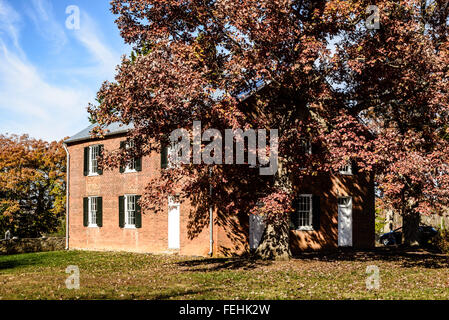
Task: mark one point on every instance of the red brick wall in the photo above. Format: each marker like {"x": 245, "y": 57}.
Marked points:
{"x": 329, "y": 187}
{"x": 152, "y": 237}
{"x": 230, "y": 235}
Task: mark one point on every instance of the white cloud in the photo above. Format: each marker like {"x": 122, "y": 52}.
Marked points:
{"x": 90, "y": 36}
{"x": 9, "y": 24}
{"x": 41, "y": 13}
{"x": 29, "y": 104}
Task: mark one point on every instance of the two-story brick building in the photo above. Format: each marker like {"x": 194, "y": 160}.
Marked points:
{"x": 333, "y": 210}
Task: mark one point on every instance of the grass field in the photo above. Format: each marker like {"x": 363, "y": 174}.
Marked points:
{"x": 105, "y": 275}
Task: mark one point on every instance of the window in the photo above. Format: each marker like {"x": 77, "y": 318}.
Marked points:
{"x": 130, "y": 211}
{"x": 94, "y": 152}
{"x": 304, "y": 212}
{"x": 135, "y": 163}
{"x": 130, "y": 215}
{"x": 91, "y": 157}
{"x": 93, "y": 211}
{"x": 347, "y": 169}
{"x": 168, "y": 157}
{"x": 306, "y": 146}
{"x": 131, "y": 167}
{"x": 174, "y": 156}
{"x": 344, "y": 201}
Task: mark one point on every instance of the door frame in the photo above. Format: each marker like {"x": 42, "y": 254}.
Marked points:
{"x": 173, "y": 204}
{"x": 345, "y": 206}
{"x": 256, "y": 224}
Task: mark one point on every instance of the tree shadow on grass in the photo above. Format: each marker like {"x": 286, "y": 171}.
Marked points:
{"x": 20, "y": 260}
{"x": 405, "y": 257}
{"x": 217, "y": 264}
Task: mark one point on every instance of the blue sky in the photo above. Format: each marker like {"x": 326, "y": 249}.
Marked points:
{"x": 49, "y": 72}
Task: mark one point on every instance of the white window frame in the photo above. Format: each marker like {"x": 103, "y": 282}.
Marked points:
{"x": 309, "y": 226}
{"x": 346, "y": 170}
{"x": 306, "y": 145}
{"x": 93, "y": 158}
{"x": 171, "y": 156}
{"x": 92, "y": 208}
{"x": 173, "y": 201}
{"x": 131, "y": 166}
{"x": 127, "y": 211}
{"x": 306, "y": 148}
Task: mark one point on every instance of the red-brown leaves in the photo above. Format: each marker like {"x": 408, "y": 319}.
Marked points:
{"x": 380, "y": 98}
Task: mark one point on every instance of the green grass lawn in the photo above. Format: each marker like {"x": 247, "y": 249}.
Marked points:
{"x": 105, "y": 275}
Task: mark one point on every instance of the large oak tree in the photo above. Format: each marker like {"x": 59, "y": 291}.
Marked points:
{"x": 377, "y": 97}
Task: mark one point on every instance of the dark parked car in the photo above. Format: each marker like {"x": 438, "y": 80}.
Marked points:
{"x": 392, "y": 237}
{"x": 425, "y": 233}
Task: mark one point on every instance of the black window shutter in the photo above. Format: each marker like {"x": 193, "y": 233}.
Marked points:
{"x": 86, "y": 161}
{"x": 139, "y": 164}
{"x": 164, "y": 158}
{"x": 85, "y": 212}
{"x": 317, "y": 148}
{"x": 294, "y": 217}
{"x": 100, "y": 212}
{"x": 354, "y": 167}
{"x": 316, "y": 212}
{"x": 121, "y": 211}
{"x": 122, "y": 146}
{"x": 138, "y": 213}
{"x": 100, "y": 168}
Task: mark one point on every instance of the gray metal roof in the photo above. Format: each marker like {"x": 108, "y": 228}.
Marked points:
{"x": 259, "y": 85}
{"x": 113, "y": 128}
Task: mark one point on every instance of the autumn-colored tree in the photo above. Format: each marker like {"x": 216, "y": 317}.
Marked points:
{"x": 377, "y": 97}
{"x": 396, "y": 78}
{"x": 32, "y": 184}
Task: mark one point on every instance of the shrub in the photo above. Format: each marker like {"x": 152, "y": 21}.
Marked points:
{"x": 379, "y": 223}
{"x": 441, "y": 241}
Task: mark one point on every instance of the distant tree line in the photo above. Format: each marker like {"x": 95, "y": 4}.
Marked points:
{"x": 32, "y": 186}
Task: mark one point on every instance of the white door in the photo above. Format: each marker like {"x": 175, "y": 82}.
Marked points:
{"x": 345, "y": 222}
{"x": 256, "y": 229}
{"x": 173, "y": 224}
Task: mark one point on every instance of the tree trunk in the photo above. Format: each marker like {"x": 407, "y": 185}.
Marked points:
{"x": 410, "y": 228}
{"x": 275, "y": 243}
